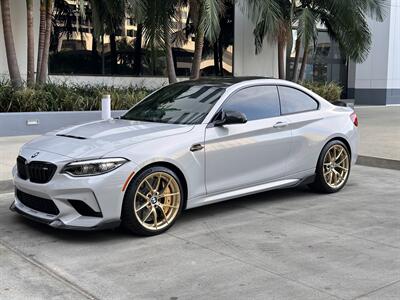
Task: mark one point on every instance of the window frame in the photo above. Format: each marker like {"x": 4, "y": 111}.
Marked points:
{"x": 246, "y": 87}
{"x": 297, "y": 112}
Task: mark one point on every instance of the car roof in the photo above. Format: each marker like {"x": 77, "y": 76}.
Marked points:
{"x": 222, "y": 81}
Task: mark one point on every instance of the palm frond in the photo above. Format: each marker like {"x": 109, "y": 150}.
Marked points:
{"x": 307, "y": 29}
{"x": 210, "y": 17}
{"x": 351, "y": 31}
{"x": 267, "y": 17}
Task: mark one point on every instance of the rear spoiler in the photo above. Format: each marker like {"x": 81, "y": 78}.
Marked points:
{"x": 344, "y": 103}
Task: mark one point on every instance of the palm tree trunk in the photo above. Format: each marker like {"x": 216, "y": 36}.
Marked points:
{"x": 45, "y": 59}
{"x": 221, "y": 56}
{"x": 137, "y": 55}
{"x": 30, "y": 46}
{"x": 170, "y": 58}
{"x": 12, "y": 62}
{"x": 198, "y": 51}
{"x": 216, "y": 59}
{"x": 304, "y": 62}
{"x": 281, "y": 59}
{"x": 113, "y": 46}
{"x": 296, "y": 60}
{"x": 42, "y": 37}
{"x": 103, "y": 63}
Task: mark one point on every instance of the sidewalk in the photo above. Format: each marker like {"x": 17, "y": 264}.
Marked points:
{"x": 379, "y": 131}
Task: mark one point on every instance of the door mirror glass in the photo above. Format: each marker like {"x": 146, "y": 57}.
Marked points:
{"x": 230, "y": 117}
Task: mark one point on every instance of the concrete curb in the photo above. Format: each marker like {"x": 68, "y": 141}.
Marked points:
{"x": 377, "y": 162}
{"x": 6, "y": 186}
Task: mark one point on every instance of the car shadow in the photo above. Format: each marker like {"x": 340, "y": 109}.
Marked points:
{"x": 216, "y": 210}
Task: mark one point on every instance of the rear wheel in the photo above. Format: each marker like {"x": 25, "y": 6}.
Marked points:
{"x": 153, "y": 202}
{"x": 333, "y": 168}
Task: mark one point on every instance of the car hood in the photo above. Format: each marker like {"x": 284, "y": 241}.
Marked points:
{"x": 96, "y": 139}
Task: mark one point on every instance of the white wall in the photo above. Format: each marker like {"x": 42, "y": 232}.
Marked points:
{"x": 246, "y": 62}
{"x": 18, "y": 20}
{"x": 372, "y": 73}
{"x": 394, "y": 47}
{"x": 377, "y": 80}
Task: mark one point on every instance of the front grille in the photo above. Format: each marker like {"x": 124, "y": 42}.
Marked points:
{"x": 36, "y": 171}
{"x": 41, "y": 172}
{"x": 40, "y": 204}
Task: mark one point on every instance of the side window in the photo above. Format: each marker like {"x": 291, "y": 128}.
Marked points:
{"x": 258, "y": 102}
{"x": 295, "y": 101}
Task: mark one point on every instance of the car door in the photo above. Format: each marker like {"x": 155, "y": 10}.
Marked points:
{"x": 242, "y": 155}
{"x": 306, "y": 123}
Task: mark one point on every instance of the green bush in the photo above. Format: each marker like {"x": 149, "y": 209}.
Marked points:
{"x": 330, "y": 91}
{"x": 63, "y": 97}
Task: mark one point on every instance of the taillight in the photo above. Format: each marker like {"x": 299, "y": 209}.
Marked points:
{"x": 354, "y": 119}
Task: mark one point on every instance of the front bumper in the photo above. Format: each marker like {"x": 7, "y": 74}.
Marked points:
{"x": 103, "y": 194}
{"x": 35, "y": 216}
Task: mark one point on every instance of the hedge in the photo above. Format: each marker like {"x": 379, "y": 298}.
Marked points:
{"x": 330, "y": 91}
{"x": 63, "y": 97}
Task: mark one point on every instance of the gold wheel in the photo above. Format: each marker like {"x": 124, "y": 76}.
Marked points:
{"x": 157, "y": 200}
{"x": 336, "y": 166}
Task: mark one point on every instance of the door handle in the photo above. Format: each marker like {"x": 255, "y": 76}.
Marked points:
{"x": 281, "y": 124}
{"x": 196, "y": 147}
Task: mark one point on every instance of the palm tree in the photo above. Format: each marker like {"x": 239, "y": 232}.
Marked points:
{"x": 13, "y": 69}
{"x": 42, "y": 37}
{"x": 42, "y": 75}
{"x": 205, "y": 16}
{"x": 273, "y": 20}
{"x": 346, "y": 22}
{"x": 30, "y": 44}
{"x": 155, "y": 18}
{"x": 107, "y": 18}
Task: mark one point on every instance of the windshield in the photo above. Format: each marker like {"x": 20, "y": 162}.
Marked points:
{"x": 180, "y": 103}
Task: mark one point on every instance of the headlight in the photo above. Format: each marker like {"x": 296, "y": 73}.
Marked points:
{"x": 93, "y": 167}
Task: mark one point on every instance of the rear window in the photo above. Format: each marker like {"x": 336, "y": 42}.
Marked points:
{"x": 295, "y": 101}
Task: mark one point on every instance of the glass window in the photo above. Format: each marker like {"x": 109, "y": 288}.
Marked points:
{"x": 294, "y": 101}
{"x": 325, "y": 63}
{"x": 181, "y": 103}
{"x": 258, "y": 102}
{"x": 126, "y": 51}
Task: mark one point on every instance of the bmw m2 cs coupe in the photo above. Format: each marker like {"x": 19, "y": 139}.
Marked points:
{"x": 188, "y": 144}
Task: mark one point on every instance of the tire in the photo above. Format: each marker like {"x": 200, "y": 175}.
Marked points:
{"x": 142, "y": 205}
{"x": 336, "y": 170}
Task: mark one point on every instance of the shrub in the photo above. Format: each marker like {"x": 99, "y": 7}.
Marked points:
{"x": 330, "y": 91}
{"x": 63, "y": 97}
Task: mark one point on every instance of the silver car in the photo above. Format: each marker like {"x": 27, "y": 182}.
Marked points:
{"x": 186, "y": 145}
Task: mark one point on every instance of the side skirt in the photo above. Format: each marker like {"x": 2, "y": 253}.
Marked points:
{"x": 243, "y": 192}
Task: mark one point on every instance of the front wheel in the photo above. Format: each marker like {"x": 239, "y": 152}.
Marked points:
{"x": 153, "y": 202}
{"x": 333, "y": 168}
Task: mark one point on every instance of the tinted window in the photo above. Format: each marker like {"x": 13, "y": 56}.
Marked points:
{"x": 294, "y": 101}
{"x": 181, "y": 103}
{"x": 256, "y": 102}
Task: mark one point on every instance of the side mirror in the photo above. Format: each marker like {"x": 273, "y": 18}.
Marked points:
{"x": 229, "y": 117}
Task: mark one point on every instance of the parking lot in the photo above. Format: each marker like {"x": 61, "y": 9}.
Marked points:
{"x": 288, "y": 244}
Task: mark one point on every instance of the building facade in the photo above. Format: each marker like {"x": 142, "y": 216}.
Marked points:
{"x": 376, "y": 81}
